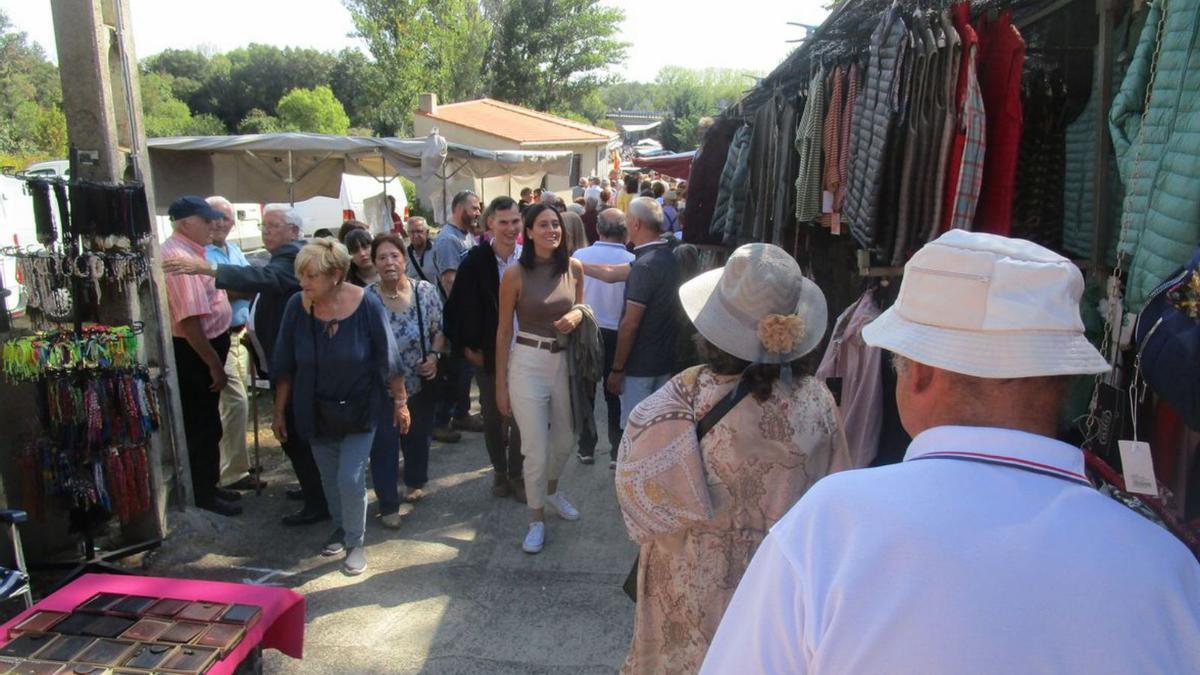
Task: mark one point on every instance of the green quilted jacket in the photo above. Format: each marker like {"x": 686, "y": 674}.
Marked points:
{"x": 1162, "y": 195}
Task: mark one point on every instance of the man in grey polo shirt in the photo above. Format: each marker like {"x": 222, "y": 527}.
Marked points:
{"x": 451, "y": 244}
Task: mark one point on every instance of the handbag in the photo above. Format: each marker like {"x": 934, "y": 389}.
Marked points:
{"x": 705, "y": 425}
{"x": 336, "y": 418}
{"x": 1168, "y": 341}
{"x": 441, "y": 381}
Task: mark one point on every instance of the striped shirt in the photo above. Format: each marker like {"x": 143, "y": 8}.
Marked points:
{"x": 191, "y": 295}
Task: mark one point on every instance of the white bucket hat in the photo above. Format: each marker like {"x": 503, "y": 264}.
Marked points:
{"x": 989, "y": 306}
{"x": 759, "y": 307}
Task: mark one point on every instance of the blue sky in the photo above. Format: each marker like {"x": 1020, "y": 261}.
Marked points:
{"x": 747, "y": 34}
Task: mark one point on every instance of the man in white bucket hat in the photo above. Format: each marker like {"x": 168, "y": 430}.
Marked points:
{"x": 987, "y": 550}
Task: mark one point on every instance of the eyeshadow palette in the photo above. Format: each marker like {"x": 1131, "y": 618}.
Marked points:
{"x": 202, "y": 611}
{"x": 189, "y": 659}
{"x": 183, "y": 632}
{"x": 148, "y": 656}
{"x": 132, "y": 606}
{"x": 167, "y": 608}
{"x": 244, "y": 615}
{"x": 25, "y": 646}
{"x": 39, "y": 668}
{"x": 66, "y": 648}
{"x": 100, "y": 603}
{"x": 38, "y": 622}
{"x": 223, "y": 636}
{"x": 147, "y": 630}
{"x": 106, "y": 652}
{"x": 107, "y": 626}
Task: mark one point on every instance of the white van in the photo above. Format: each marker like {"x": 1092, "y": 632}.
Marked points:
{"x": 16, "y": 229}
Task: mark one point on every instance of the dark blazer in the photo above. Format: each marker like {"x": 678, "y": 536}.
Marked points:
{"x": 275, "y": 283}
{"x": 472, "y": 311}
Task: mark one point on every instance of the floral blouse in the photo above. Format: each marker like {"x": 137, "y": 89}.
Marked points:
{"x": 405, "y": 329}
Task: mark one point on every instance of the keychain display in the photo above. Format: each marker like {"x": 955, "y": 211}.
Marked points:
{"x": 98, "y": 408}
{"x": 29, "y": 358}
{"x": 48, "y": 277}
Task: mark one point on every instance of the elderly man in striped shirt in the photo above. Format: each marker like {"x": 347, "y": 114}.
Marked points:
{"x": 200, "y": 317}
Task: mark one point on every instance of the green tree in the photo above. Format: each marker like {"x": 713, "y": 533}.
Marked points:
{"x": 165, "y": 115}
{"x": 359, "y": 84}
{"x": 550, "y": 54}
{"x": 50, "y": 132}
{"x": 258, "y": 122}
{"x": 423, "y": 45}
{"x": 687, "y": 95}
{"x": 313, "y": 110}
{"x": 30, "y": 92}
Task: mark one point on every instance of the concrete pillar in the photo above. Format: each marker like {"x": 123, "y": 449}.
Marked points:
{"x": 102, "y": 104}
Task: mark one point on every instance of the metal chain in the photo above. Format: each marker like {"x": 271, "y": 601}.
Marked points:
{"x": 1113, "y": 317}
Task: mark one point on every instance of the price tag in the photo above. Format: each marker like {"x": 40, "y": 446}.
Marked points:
{"x": 826, "y": 201}
{"x": 1138, "y": 466}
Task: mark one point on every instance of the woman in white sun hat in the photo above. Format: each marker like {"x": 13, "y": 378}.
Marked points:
{"x": 699, "y": 493}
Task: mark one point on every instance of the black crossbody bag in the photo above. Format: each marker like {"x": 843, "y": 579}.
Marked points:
{"x": 336, "y": 418}
{"x": 704, "y": 426}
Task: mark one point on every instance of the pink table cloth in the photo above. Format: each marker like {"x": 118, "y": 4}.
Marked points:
{"x": 281, "y": 625}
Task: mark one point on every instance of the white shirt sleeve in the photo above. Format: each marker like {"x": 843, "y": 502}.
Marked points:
{"x": 763, "y": 627}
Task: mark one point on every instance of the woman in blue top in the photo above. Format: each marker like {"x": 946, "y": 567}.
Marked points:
{"x": 414, "y": 314}
{"x": 333, "y": 357}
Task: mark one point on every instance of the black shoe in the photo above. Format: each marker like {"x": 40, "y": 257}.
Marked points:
{"x": 305, "y": 516}
{"x": 295, "y": 493}
{"x": 228, "y": 495}
{"x": 221, "y": 507}
{"x": 248, "y": 483}
{"x": 585, "y": 458}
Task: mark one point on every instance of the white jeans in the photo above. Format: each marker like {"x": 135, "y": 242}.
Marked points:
{"x": 638, "y": 389}
{"x": 540, "y": 395}
{"x": 235, "y": 411}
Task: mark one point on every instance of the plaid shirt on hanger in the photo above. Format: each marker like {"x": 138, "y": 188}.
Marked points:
{"x": 974, "y": 121}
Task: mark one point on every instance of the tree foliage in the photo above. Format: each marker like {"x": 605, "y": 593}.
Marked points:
{"x": 313, "y": 110}
{"x": 420, "y": 46}
{"x": 31, "y": 119}
{"x": 554, "y": 54}
{"x": 685, "y": 96}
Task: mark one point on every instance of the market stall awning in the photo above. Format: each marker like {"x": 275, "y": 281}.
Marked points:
{"x": 677, "y": 165}
{"x": 284, "y": 167}
{"x": 633, "y": 128}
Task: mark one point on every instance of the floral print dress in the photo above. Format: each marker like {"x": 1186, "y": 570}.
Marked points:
{"x": 701, "y": 514}
{"x": 407, "y": 331}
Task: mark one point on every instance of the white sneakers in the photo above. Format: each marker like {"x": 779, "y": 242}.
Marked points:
{"x": 535, "y": 538}
{"x": 559, "y": 504}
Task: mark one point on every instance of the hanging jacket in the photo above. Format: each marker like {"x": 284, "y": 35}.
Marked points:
{"x": 1078, "y": 195}
{"x": 1161, "y": 212}
{"x": 704, "y": 181}
{"x": 585, "y": 365}
{"x": 734, "y": 188}
{"x": 808, "y": 146}
{"x": 874, "y": 115}
{"x": 858, "y": 366}
{"x": 1001, "y": 61}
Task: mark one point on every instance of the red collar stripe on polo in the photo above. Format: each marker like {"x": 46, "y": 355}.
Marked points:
{"x": 1014, "y": 462}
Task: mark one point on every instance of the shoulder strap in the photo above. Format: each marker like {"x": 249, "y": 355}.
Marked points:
{"x": 420, "y": 318}
{"x": 416, "y": 263}
{"x": 712, "y": 417}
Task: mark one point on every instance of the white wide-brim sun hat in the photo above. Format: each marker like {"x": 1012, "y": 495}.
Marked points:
{"x": 728, "y": 304}
{"x": 989, "y": 306}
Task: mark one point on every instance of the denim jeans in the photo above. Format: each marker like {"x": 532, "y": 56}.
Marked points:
{"x": 343, "y": 466}
{"x": 638, "y": 389}
{"x": 388, "y": 444}
{"x": 587, "y": 440}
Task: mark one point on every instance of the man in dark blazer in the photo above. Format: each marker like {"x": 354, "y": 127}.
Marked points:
{"x": 471, "y": 316}
{"x": 274, "y": 283}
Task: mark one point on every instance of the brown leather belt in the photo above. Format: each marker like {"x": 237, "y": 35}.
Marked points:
{"x": 549, "y": 345}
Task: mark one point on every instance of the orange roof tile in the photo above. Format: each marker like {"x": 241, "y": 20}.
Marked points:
{"x": 516, "y": 123}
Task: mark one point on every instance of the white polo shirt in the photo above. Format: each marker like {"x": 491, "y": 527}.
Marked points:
{"x": 996, "y": 561}
{"x": 606, "y": 300}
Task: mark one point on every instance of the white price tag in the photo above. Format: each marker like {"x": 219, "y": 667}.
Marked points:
{"x": 1138, "y": 466}
{"x": 826, "y": 201}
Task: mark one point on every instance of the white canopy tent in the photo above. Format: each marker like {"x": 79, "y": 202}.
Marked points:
{"x": 290, "y": 167}
{"x": 490, "y": 173}
{"x": 284, "y": 167}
